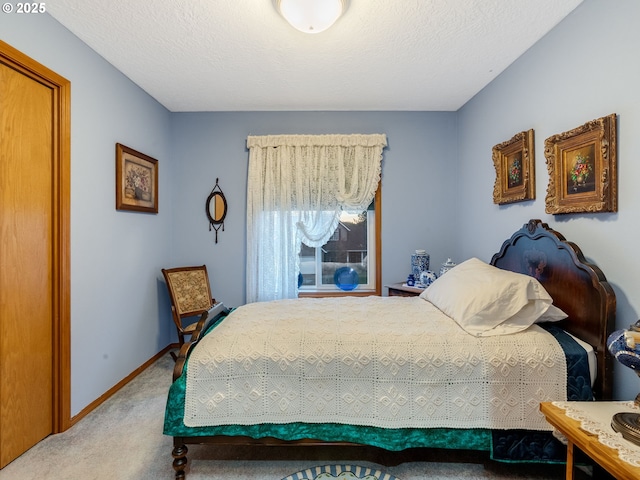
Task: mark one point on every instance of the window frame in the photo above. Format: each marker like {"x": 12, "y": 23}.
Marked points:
{"x": 377, "y": 290}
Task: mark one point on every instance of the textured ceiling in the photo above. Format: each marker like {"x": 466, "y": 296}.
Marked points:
{"x": 241, "y": 55}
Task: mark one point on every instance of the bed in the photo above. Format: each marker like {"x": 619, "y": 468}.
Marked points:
{"x": 225, "y": 393}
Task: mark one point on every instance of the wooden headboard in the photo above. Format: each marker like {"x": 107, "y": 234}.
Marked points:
{"x": 576, "y": 286}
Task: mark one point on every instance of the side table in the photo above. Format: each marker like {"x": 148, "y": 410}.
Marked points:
{"x": 402, "y": 290}
{"x": 604, "y": 456}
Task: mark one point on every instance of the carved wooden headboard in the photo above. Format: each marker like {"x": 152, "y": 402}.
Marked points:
{"x": 576, "y": 286}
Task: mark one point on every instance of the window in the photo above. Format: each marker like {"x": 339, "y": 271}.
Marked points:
{"x": 297, "y": 186}
{"x": 354, "y": 244}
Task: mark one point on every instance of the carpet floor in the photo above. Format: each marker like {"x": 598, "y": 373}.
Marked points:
{"x": 123, "y": 439}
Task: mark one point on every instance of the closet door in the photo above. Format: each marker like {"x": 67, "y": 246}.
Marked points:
{"x": 29, "y": 260}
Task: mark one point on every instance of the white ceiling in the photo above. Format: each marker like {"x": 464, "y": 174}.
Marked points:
{"x": 241, "y": 55}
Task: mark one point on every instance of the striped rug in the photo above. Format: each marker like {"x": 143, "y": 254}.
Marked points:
{"x": 340, "y": 472}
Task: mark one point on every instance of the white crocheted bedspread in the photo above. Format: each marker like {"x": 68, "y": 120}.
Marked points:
{"x": 392, "y": 362}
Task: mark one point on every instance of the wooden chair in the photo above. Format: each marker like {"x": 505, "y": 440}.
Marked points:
{"x": 190, "y": 295}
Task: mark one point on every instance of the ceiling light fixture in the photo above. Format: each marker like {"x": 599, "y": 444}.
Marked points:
{"x": 311, "y": 16}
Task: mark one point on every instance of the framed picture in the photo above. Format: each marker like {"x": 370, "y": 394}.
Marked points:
{"x": 583, "y": 171}
{"x": 515, "y": 169}
{"x": 136, "y": 181}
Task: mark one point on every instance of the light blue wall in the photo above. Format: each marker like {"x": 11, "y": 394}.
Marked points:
{"x": 418, "y": 179}
{"x": 585, "y": 68}
{"x": 116, "y": 307}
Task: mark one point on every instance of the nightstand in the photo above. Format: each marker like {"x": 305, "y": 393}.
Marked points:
{"x": 604, "y": 456}
{"x": 401, "y": 290}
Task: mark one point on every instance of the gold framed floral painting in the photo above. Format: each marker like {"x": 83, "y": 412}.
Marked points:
{"x": 583, "y": 171}
{"x": 136, "y": 180}
{"x": 515, "y": 169}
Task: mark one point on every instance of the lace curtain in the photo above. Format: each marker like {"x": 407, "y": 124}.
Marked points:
{"x": 297, "y": 187}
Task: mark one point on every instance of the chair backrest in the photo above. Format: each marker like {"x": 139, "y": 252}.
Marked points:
{"x": 189, "y": 290}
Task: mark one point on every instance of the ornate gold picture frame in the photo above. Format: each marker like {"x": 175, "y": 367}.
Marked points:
{"x": 515, "y": 169}
{"x": 136, "y": 180}
{"x": 583, "y": 171}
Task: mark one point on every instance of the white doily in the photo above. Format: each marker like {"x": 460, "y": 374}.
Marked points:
{"x": 595, "y": 418}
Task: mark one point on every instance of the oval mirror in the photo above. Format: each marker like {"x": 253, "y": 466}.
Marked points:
{"x": 216, "y": 207}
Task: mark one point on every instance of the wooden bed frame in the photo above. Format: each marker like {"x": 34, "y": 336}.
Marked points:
{"x": 577, "y": 287}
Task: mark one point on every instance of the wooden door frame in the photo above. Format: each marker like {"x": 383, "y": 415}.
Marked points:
{"x": 61, "y": 250}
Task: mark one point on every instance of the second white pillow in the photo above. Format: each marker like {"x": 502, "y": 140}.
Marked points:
{"x": 485, "y": 300}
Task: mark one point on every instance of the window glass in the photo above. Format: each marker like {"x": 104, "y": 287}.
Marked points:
{"x": 352, "y": 246}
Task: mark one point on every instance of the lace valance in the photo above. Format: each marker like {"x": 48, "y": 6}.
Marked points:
{"x": 352, "y": 140}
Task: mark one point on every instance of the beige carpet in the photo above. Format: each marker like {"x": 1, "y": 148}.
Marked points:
{"x": 123, "y": 439}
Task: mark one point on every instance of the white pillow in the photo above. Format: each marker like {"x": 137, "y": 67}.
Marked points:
{"x": 553, "y": 314}
{"x": 485, "y": 300}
